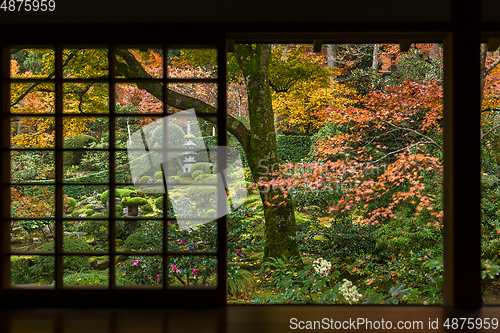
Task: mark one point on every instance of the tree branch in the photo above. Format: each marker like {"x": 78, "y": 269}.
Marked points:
{"x": 132, "y": 68}
{"x": 420, "y": 134}
{"x": 400, "y": 150}
{"x": 34, "y": 85}
{"x": 492, "y": 66}
{"x": 490, "y": 130}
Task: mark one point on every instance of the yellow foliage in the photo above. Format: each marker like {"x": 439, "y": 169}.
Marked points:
{"x": 295, "y": 110}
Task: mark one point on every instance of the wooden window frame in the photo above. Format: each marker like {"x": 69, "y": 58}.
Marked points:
{"x": 113, "y": 295}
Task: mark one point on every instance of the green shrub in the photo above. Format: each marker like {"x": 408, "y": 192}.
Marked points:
{"x": 206, "y": 178}
{"x": 158, "y": 175}
{"x": 174, "y": 179}
{"x": 135, "y": 201}
{"x": 143, "y": 179}
{"x": 203, "y": 196}
{"x": 240, "y": 281}
{"x": 197, "y": 173}
{"x": 92, "y": 278}
{"x": 76, "y": 142}
{"x": 204, "y": 166}
{"x": 139, "y": 241}
{"x": 175, "y": 136}
{"x": 22, "y": 271}
{"x": 71, "y": 202}
{"x": 159, "y": 203}
{"x": 119, "y": 193}
{"x": 45, "y": 265}
{"x": 147, "y": 208}
{"x": 118, "y": 210}
{"x": 292, "y": 148}
{"x": 89, "y": 212}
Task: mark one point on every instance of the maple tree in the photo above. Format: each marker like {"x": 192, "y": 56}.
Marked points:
{"x": 385, "y": 159}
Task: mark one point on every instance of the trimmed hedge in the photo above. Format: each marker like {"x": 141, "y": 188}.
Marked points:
{"x": 292, "y": 148}
{"x": 45, "y": 265}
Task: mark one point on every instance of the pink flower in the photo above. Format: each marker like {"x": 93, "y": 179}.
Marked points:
{"x": 183, "y": 241}
{"x": 158, "y": 277}
{"x": 178, "y": 271}
{"x": 173, "y": 268}
{"x": 239, "y": 252}
{"x": 195, "y": 271}
{"x": 136, "y": 261}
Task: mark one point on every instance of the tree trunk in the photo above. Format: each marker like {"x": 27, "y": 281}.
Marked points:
{"x": 376, "y": 50}
{"x": 262, "y": 153}
{"x": 331, "y": 54}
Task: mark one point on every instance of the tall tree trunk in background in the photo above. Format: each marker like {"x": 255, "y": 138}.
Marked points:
{"x": 331, "y": 54}
{"x": 262, "y": 155}
{"x": 376, "y": 50}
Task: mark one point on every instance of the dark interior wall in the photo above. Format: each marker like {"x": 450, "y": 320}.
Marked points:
{"x": 237, "y": 11}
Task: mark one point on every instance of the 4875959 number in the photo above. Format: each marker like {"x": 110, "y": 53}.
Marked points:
{"x": 471, "y": 323}
{"x": 28, "y": 5}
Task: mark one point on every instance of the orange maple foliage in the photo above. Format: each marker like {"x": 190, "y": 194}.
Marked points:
{"x": 366, "y": 165}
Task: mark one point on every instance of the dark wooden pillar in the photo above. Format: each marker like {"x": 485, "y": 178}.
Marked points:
{"x": 462, "y": 161}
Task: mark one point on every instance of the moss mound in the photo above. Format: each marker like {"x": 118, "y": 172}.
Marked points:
{"x": 45, "y": 265}
{"x": 138, "y": 241}
{"x": 119, "y": 193}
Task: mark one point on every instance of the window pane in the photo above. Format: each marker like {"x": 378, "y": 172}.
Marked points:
{"x": 32, "y": 235}
{"x": 192, "y": 63}
{"x": 144, "y": 235}
{"x": 85, "y": 132}
{"x": 200, "y": 96}
{"x": 86, "y": 271}
{"x": 32, "y": 132}
{"x": 140, "y": 62}
{"x": 32, "y": 166}
{"x": 32, "y": 97}
{"x": 86, "y": 166}
{"x": 32, "y": 63}
{"x": 85, "y": 63}
{"x": 23, "y": 271}
{"x": 85, "y": 97}
{"x": 33, "y": 201}
{"x": 200, "y": 238}
{"x": 185, "y": 271}
{"x": 135, "y": 98}
{"x": 85, "y": 235}
{"x": 81, "y": 201}
{"x": 140, "y": 270}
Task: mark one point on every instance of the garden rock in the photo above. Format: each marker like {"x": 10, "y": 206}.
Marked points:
{"x": 118, "y": 201}
{"x": 103, "y": 265}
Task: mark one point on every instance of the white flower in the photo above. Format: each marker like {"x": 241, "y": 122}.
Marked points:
{"x": 350, "y": 292}
{"x": 322, "y": 267}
